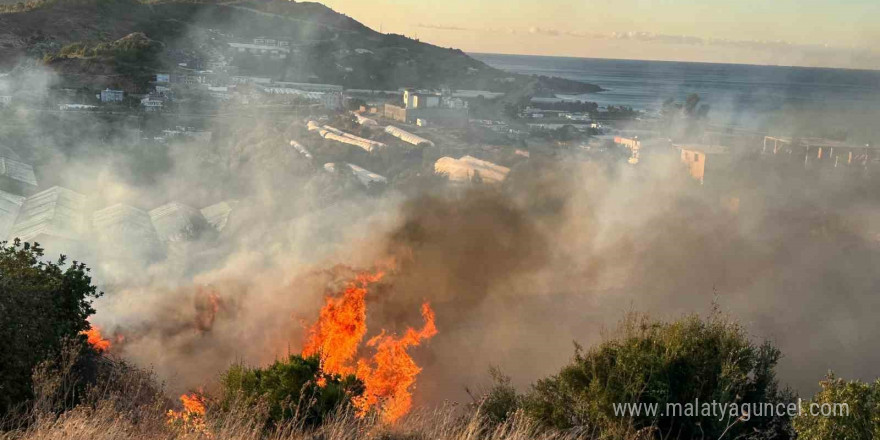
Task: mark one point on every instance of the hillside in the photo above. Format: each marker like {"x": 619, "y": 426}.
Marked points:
{"x": 325, "y": 46}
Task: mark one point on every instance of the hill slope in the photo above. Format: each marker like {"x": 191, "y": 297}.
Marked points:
{"x": 326, "y": 46}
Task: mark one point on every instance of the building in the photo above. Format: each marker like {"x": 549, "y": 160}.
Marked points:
{"x": 176, "y": 222}
{"x": 705, "y": 161}
{"x": 366, "y": 177}
{"x": 638, "y": 147}
{"x": 469, "y": 168}
{"x": 301, "y": 149}
{"x": 55, "y": 214}
{"x": 218, "y": 214}
{"x": 16, "y": 177}
{"x": 126, "y": 232}
{"x": 413, "y": 99}
{"x": 5, "y": 100}
{"x": 818, "y": 153}
{"x": 439, "y": 116}
{"x": 407, "y": 136}
{"x": 153, "y": 102}
{"x": 66, "y": 107}
{"x": 331, "y": 133}
{"x": 273, "y": 51}
{"x": 109, "y": 95}
{"x": 10, "y": 205}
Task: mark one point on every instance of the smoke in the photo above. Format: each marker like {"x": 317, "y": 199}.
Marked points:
{"x": 515, "y": 273}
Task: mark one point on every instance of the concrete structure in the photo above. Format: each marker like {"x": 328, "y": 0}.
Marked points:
{"x": 16, "y": 177}
{"x": 469, "y": 168}
{"x": 109, "y": 95}
{"x": 407, "y": 136}
{"x": 705, "y": 161}
{"x": 439, "y": 116}
{"x": 176, "y": 222}
{"x": 366, "y": 177}
{"x": 414, "y": 99}
{"x": 5, "y": 100}
{"x": 56, "y": 213}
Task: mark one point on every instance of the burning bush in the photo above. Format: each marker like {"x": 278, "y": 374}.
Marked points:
{"x": 657, "y": 362}
{"x": 42, "y": 304}
{"x": 295, "y": 390}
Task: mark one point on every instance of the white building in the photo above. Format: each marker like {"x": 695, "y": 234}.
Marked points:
{"x": 109, "y": 95}
{"x": 407, "y": 136}
{"x": 56, "y": 213}
{"x": 366, "y": 177}
{"x": 468, "y": 168}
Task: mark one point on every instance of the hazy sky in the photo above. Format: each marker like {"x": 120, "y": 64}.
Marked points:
{"x": 842, "y": 33}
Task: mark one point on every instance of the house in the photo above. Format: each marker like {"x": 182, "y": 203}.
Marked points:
{"x": 413, "y": 99}
{"x": 109, "y": 95}
{"x": 705, "y": 161}
{"x": 469, "y": 168}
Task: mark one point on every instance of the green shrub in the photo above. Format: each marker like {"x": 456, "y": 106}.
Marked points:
{"x": 43, "y": 307}
{"x": 290, "y": 389}
{"x": 658, "y": 363}
{"x": 862, "y": 402}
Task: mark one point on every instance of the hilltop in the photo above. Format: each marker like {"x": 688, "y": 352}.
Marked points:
{"x": 91, "y": 43}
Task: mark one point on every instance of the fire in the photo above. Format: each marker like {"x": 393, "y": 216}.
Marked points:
{"x": 96, "y": 340}
{"x": 193, "y": 403}
{"x": 341, "y": 326}
{"x": 389, "y": 375}
{"x": 391, "y": 372}
{"x": 192, "y": 418}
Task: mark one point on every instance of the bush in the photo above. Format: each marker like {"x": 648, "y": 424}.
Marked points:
{"x": 659, "y": 363}
{"x": 862, "y": 402}
{"x": 43, "y": 307}
{"x": 294, "y": 390}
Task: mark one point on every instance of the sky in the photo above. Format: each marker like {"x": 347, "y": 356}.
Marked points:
{"x": 826, "y": 33}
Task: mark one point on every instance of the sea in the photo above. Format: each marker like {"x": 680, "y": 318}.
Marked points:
{"x": 738, "y": 94}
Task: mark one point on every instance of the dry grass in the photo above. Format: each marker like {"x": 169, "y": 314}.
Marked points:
{"x": 127, "y": 404}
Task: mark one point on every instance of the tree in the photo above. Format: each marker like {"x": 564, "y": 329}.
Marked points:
{"x": 42, "y": 306}
{"x": 663, "y": 363}
{"x": 858, "y": 420}
{"x": 295, "y": 390}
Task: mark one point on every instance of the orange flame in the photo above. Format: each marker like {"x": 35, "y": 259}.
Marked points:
{"x": 390, "y": 374}
{"x": 192, "y": 418}
{"x": 95, "y": 339}
{"x": 193, "y": 403}
{"x": 341, "y": 326}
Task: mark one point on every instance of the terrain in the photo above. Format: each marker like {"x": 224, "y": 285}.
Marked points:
{"x": 326, "y": 46}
